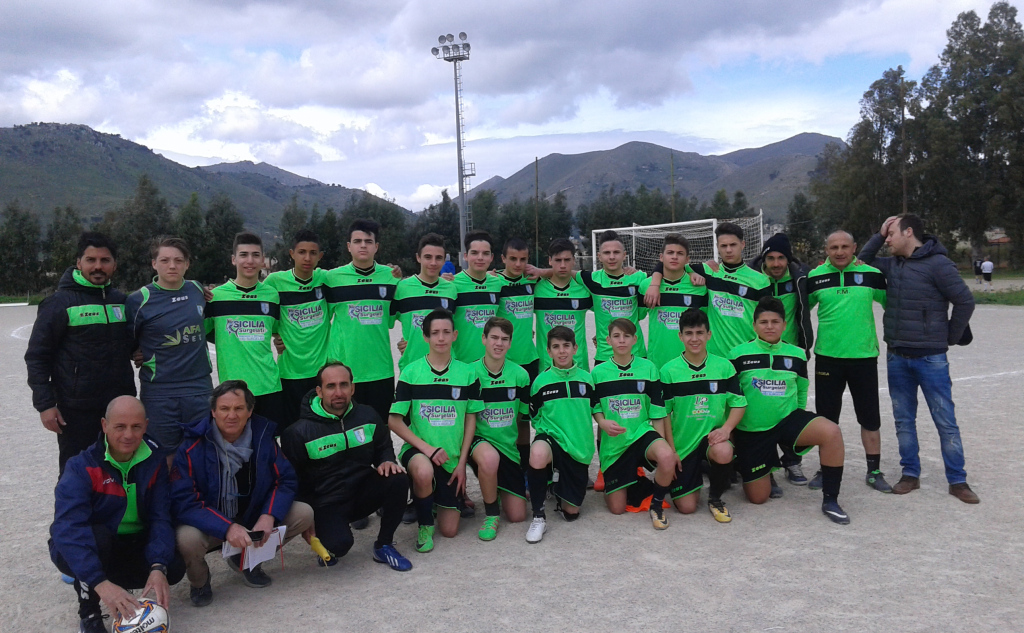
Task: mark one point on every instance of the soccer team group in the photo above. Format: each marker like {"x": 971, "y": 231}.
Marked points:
{"x": 494, "y": 375}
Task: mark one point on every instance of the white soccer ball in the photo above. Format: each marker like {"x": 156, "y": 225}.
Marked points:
{"x": 150, "y": 618}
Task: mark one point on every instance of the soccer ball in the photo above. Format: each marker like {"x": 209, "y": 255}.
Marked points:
{"x": 151, "y": 618}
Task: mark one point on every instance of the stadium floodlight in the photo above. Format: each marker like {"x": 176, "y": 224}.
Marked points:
{"x": 462, "y": 36}
{"x": 465, "y": 47}
{"x": 441, "y": 39}
{"x": 450, "y": 37}
{"x": 434, "y": 51}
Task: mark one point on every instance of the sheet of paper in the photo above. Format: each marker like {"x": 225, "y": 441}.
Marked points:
{"x": 255, "y": 555}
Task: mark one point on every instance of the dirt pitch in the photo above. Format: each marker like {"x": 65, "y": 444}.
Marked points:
{"x": 922, "y": 562}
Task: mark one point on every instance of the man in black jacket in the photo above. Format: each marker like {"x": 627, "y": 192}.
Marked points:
{"x": 345, "y": 460}
{"x": 79, "y": 355}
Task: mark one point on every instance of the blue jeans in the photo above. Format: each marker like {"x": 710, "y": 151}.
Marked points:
{"x": 931, "y": 374}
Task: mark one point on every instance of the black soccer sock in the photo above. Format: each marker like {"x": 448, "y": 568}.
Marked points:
{"x": 524, "y": 454}
{"x": 718, "y": 478}
{"x": 538, "y": 480}
{"x": 874, "y": 462}
{"x": 831, "y": 478}
{"x": 424, "y": 510}
{"x": 659, "y": 495}
{"x": 492, "y": 509}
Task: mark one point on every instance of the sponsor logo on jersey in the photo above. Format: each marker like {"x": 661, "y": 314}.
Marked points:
{"x": 770, "y": 388}
{"x": 369, "y": 313}
{"x": 618, "y": 308}
{"x": 439, "y": 414}
{"x": 520, "y": 308}
{"x": 498, "y": 417}
{"x": 479, "y": 316}
{"x": 669, "y": 319}
{"x": 627, "y": 407}
{"x": 304, "y": 317}
{"x": 189, "y": 334}
{"x": 551, "y": 392}
{"x": 552, "y": 319}
{"x": 248, "y": 330}
{"x": 701, "y": 406}
{"x": 179, "y": 299}
{"x": 729, "y": 306}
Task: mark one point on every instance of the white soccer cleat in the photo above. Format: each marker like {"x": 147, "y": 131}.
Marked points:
{"x": 536, "y": 531}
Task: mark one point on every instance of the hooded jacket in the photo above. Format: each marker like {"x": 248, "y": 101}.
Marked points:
{"x": 798, "y": 272}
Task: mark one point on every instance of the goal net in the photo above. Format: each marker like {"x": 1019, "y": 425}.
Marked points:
{"x": 644, "y": 244}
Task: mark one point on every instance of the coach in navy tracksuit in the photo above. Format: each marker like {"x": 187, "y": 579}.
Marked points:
{"x": 112, "y": 526}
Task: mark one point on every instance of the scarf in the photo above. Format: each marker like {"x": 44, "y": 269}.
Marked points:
{"x": 231, "y": 456}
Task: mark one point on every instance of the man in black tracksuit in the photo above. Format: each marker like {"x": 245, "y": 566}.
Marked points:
{"x": 345, "y": 461}
{"x": 79, "y": 355}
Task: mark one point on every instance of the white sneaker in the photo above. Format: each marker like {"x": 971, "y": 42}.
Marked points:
{"x": 536, "y": 531}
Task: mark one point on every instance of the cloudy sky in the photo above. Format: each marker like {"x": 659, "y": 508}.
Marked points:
{"x": 347, "y": 92}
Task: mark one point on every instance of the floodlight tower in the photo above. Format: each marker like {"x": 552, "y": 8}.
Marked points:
{"x": 456, "y": 53}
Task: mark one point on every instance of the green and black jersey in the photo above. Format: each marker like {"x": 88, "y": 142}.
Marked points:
{"x": 516, "y": 305}
{"x": 733, "y": 293}
{"x": 615, "y": 298}
{"x": 304, "y": 325}
{"x": 698, "y": 398}
{"x": 663, "y": 321}
{"x": 360, "y": 305}
{"x": 629, "y": 396}
{"x": 566, "y": 306}
{"x": 414, "y": 300}
{"x": 786, "y": 291}
{"x": 561, "y": 402}
{"x": 846, "y": 318}
{"x": 505, "y": 395}
{"x": 477, "y": 301}
{"x": 773, "y": 379}
{"x": 436, "y": 404}
{"x": 240, "y": 322}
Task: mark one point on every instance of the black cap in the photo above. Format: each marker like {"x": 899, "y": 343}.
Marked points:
{"x": 778, "y": 243}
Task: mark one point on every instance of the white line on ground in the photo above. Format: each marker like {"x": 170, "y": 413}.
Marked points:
{"x": 20, "y": 334}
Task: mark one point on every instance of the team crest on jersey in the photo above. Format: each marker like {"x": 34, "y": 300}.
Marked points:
{"x": 455, "y": 392}
{"x": 494, "y": 298}
{"x": 199, "y": 309}
{"x": 858, "y": 278}
{"x": 511, "y": 393}
{"x": 118, "y": 312}
{"x": 360, "y": 435}
{"x": 382, "y": 291}
{"x": 265, "y": 307}
{"x": 582, "y": 389}
{"x": 640, "y": 386}
{"x": 713, "y": 386}
{"x": 687, "y": 300}
{"x": 319, "y": 294}
{"x": 788, "y": 362}
{"x": 743, "y": 291}
{"x": 632, "y": 290}
{"x": 789, "y": 287}
{"x": 575, "y": 304}
{"x": 444, "y": 303}
{"x": 529, "y": 290}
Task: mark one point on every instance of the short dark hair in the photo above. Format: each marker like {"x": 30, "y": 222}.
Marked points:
{"x": 728, "y": 228}
{"x": 678, "y": 240}
{"x": 230, "y": 386}
{"x": 561, "y": 333}
{"x": 170, "y": 242}
{"x": 95, "y": 240}
{"x": 305, "y": 235}
{"x": 430, "y": 239}
{"x": 608, "y": 236}
{"x": 914, "y": 223}
{"x": 694, "y": 317}
{"x": 501, "y": 323}
{"x": 478, "y": 236}
{"x": 560, "y": 245}
{"x": 515, "y": 244}
{"x": 770, "y": 304}
{"x": 246, "y": 237}
{"x": 364, "y": 226}
{"x": 625, "y": 325}
{"x": 436, "y": 314}
{"x": 332, "y": 363}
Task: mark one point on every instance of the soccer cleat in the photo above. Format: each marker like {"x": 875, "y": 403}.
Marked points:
{"x": 795, "y": 475}
{"x": 389, "y": 555}
{"x": 776, "y": 492}
{"x": 815, "y": 481}
{"x": 876, "y": 480}
{"x": 201, "y": 596}
{"x": 93, "y": 623}
{"x": 599, "y": 482}
{"x": 719, "y": 511}
{"x": 425, "y": 539}
{"x": 658, "y": 518}
{"x": 409, "y": 516}
{"x": 906, "y": 484}
{"x": 489, "y": 530}
{"x": 537, "y": 528}
{"x": 831, "y": 509}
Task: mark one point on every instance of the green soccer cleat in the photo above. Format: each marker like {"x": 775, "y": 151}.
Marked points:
{"x": 489, "y": 530}
{"x": 425, "y": 539}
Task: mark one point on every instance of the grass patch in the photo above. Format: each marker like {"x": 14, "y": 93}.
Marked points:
{"x": 1002, "y": 298}
{"x": 33, "y": 300}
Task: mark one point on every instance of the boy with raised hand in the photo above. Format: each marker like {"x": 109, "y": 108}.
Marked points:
{"x": 305, "y": 322}
{"x": 678, "y": 294}
{"x": 505, "y": 392}
{"x": 441, "y": 397}
{"x": 417, "y": 296}
{"x": 629, "y": 405}
{"x": 773, "y": 377}
{"x": 240, "y": 320}
{"x": 563, "y": 300}
{"x": 561, "y": 400}
{"x": 704, "y": 403}
{"x": 478, "y": 296}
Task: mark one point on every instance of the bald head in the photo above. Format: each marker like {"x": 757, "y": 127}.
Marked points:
{"x": 840, "y": 248}
{"x": 124, "y": 424}
{"x": 125, "y": 406}
{"x": 839, "y": 234}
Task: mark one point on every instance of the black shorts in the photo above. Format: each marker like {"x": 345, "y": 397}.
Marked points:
{"x": 690, "y": 479}
{"x": 622, "y": 473}
{"x": 533, "y": 369}
{"x": 570, "y": 478}
{"x": 294, "y": 390}
{"x": 272, "y": 406}
{"x": 986, "y": 276}
{"x": 832, "y": 375}
{"x": 444, "y": 492}
{"x": 757, "y": 453}
{"x": 377, "y": 394}
{"x": 511, "y": 478}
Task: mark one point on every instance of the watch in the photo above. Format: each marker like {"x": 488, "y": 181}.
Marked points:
{"x": 160, "y": 567}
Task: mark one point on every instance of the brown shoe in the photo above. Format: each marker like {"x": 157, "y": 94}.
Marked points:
{"x": 906, "y": 484}
{"x": 964, "y": 493}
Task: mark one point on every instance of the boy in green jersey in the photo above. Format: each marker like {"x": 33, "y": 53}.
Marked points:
{"x": 240, "y": 321}
{"x": 773, "y": 377}
{"x": 616, "y": 293}
{"x": 505, "y": 392}
{"x": 441, "y": 397}
{"x": 561, "y": 300}
{"x": 561, "y": 400}
{"x": 478, "y": 296}
{"x": 417, "y": 296}
{"x": 678, "y": 294}
{"x": 360, "y": 295}
{"x": 628, "y": 409}
{"x": 704, "y": 403}
{"x": 302, "y": 333}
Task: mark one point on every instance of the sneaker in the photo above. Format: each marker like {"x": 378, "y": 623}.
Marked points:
{"x": 489, "y": 530}
{"x": 964, "y": 493}
{"x": 795, "y": 475}
{"x": 389, "y": 555}
{"x": 256, "y": 577}
{"x": 876, "y": 480}
{"x": 658, "y": 518}
{"x": 536, "y": 532}
{"x": 776, "y": 492}
{"x": 331, "y": 562}
{"x": 831, "y": 509}
{"x": 67, "y": 580}
{"x": 201, "y": 596}
{"x": 360, "y": 524}
{"x": 425, "y": 539}
{"x": 93, "y": 623}
{"x": 815, "y": 483}
{"x": 409, "y": 516}
{"x": 599, "y": 482}
{"x": 719, "y": 511}
{"x": 906, "y": 484}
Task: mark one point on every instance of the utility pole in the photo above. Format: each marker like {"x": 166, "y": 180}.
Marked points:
{"x": 672, "y": 179}
{"x": 536, "y": 211}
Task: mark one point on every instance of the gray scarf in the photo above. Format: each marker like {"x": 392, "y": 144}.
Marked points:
{"x": 231, "y": 456}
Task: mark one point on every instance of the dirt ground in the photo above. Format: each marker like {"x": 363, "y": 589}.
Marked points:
{"x": 921, "y": 562}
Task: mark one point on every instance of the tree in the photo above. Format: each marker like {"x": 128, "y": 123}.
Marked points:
{"x": 142, "y": 219}
{"x": 223, "y": 221}
{"x": 293, "y": 220}
{"x": 801, "y": 229}
{"x": 61, "y": 243}
{"x": 19, "y": 250}
{"x": 740, "y": 206}
{"x": 720, "y": 207}
{"x": 190, "y": 226}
